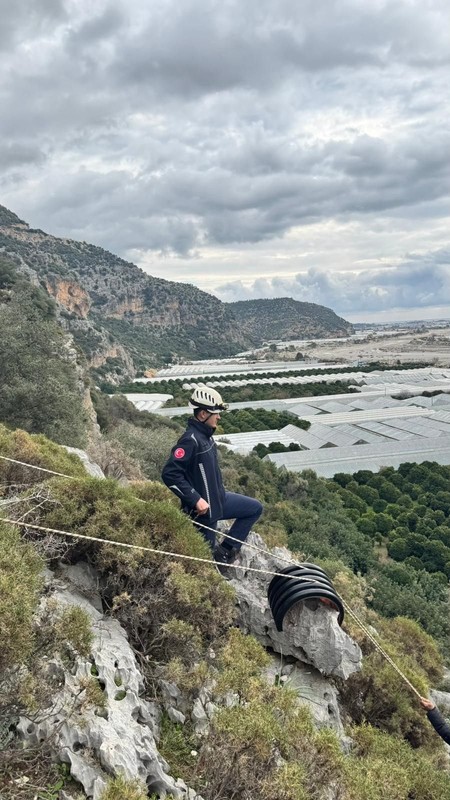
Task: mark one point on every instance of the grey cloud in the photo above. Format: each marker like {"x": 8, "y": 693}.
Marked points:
{"x": 225, "y": 204}
{"x": 91, "y": 203}
{"x": 172, "y": 127}
{"x": 97, "y": 28}
{"x": 199, "y": 47}
{"x": 27, "y": 18}
{"x": 15, "y": 154}
{"x": 419, "y": 282}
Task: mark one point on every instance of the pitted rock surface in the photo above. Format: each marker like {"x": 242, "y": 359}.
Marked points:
{"x": 100, "y": 743}
{"x": 311, "y": 633}
{"x": 313, "y": 689}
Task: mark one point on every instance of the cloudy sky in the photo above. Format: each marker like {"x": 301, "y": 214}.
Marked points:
{"x": 255, "y": 148}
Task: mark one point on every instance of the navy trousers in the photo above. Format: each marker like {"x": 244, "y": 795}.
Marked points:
{"x": 244, "y": 510}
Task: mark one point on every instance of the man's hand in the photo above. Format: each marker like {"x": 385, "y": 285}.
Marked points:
{"x": 428, "y": 704}
{"x": 201, "y": 506}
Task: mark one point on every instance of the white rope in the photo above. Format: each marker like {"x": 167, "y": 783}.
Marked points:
{"x": 347, "y": 608}
{"x": 193, "y": 520}
{"x": 42, "y": 469}
{"x": 143, "y": 548}
{"x": 170, "y": 553}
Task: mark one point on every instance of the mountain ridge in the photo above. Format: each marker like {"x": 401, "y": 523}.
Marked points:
{"x": 284, "y": 318}
{"x": 123, "y": 319}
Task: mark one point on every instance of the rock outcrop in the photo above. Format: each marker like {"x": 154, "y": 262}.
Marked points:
{"x": 70, "y": 295}
{"x": 118, "y": 737}
{"x": 115, "y": 731}
{"x": 311, "y": 633}
{"x": 313, "y": 689}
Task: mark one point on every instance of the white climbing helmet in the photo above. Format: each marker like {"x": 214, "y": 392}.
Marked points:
{"x": 207, "y": 398}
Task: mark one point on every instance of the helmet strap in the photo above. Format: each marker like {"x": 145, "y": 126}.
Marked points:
{"x": 210, "y": 414}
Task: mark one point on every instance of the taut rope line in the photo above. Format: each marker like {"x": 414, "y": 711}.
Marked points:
{"x": 156, "y": 551}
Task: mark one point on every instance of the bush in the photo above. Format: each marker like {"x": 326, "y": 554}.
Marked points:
{"x": 121, "y": 789}
{"x": 403, "y": 590}
{"x": 38, "y": 451}
{"x": 39, "y": 390}
{"x": 113, "y": 460}
{"x": 383, "y": 766}
{"x": 20, "y": 583}
{"x": 378, "y": 694}
{"x": 149, "y": 448}
{"x": 148, "y": 592}
{"x": 176, "y": 743}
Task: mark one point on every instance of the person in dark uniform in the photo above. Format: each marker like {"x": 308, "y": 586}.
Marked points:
{"x": 437, "y": 720}
{"x": 193, "y": 474}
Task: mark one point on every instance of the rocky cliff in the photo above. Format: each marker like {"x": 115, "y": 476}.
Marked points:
{"x": 120, "y": 666}
{"x": 121, "y": 738}
{"x": 125, "y": 320}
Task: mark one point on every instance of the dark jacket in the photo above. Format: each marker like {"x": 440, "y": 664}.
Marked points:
{"x": 192, "y": 470}
{"x": 439, "y": 724}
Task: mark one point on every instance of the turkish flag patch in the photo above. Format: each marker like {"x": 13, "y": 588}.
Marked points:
{"x": 179, "y": 453}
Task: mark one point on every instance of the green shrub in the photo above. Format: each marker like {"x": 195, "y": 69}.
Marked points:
{"x": 37, "y": 450}
{"x": 151, "y": 491}
{"x": 254, "y": 739}
{"x": 288, "y": 782}
{"x": 150, "y": 448}
{"x": 241, "y": 659}
{"x": 176, "y": 743}
{"x": 411, "y": 639}
{"x": 147, "y": 590}
{"x": 73, "y": 627}
{"x": 378, "y": 694}
{"x": 20, "y": 584}
{"x": 39, "y": 390}
{"x": 121, "y": 789}
{"x": 407, "y": 591}
{"x": 383, "y": 766}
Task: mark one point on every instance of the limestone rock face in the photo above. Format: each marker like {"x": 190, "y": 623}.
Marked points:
{"x": 91, "y": 468}
{"x": 120, "y": 737}
{"x": 311, "y": 633}
{"x": 313, "y": 690}
{"x": 70, "y": 295}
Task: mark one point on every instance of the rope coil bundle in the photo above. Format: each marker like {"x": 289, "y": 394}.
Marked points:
{"x": 312, "y": 584}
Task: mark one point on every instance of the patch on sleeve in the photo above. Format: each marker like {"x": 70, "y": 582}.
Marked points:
{"x": 179, "y": 452}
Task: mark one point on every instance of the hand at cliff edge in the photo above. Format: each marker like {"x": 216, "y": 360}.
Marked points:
{"x": 201, "y": 506}
{"x": 427, "y": 704}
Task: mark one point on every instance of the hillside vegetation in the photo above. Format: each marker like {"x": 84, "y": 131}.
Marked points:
{"x": 284, "y": 318}
{"x": 383, "y": 540}
{"x": 125, "y": 320}
{"x": 40, "y": 388}
{"x": 175, "y": 612}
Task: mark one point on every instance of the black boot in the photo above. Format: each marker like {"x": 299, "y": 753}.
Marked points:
{"x": 223, "y": 556}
